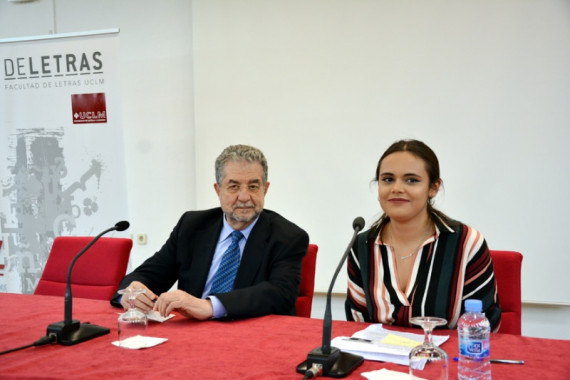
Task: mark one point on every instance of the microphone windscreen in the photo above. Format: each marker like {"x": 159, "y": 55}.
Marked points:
{"x": 358, "y": 223}
{"x": 122, "y": 225}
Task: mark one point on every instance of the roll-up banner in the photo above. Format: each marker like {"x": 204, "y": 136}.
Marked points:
{"x": 62, "y": 167}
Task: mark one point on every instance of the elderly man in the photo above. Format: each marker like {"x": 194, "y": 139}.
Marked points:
{"x": 233, "y": 261}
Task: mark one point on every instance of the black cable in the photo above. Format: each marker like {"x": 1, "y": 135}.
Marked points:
{"x": 46, "y": 339}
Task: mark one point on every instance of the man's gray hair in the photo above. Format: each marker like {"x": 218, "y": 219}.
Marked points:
{"x": 239, "y": 153}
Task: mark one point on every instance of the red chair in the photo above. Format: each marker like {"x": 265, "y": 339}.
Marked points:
{"x": 96, "y": 274}
{"x": 304, "y": 302}
{"x": 507, "y": 266}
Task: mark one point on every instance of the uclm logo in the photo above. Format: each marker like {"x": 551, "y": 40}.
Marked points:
{"x": 89, "y": 108}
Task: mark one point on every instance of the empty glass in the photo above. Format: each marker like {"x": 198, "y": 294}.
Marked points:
{"x": 132, "y": 322}
{"x": 427, "y": 360}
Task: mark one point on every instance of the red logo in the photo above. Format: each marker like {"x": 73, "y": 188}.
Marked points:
{"x": 89, "y": 108}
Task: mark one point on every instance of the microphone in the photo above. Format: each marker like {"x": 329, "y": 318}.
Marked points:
{"x": 334, "y": 362}
{"x": 70, "y": 331}
{"x": 121, "y": 226}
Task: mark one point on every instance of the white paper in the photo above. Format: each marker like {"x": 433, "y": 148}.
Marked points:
{"x": 137, "y": 342}
{"x": 154, "y": 315}
{"x": 370, "y": 343}
{"x": 386, "y": 374}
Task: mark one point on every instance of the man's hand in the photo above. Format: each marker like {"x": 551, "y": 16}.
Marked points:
{"x": 144, "y": 301}
{"x": 187, "y": 305}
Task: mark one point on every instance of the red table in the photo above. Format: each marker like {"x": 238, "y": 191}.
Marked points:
{"x": 261, "y": 348}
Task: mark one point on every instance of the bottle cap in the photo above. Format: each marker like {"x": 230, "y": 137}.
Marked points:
{"x": 473, "y": 306}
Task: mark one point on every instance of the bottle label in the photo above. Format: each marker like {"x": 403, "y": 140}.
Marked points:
{"x": 478, "y": 349}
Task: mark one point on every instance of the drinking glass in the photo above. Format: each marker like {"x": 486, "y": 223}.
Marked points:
{"x": 133, "y": 321}
{"x": 427, "y": 360}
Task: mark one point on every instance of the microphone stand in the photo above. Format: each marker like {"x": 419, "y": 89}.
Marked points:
{"x": 70, "y": 331}
{"x": 331, "y": 361}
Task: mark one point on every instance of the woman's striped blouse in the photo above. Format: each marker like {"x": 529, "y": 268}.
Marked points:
{"x": 452, "y": 266}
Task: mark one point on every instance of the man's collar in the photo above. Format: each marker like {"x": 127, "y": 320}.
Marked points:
{"x": 227, "y": 229}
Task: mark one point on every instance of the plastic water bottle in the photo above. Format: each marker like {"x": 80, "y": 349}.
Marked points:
{"x": 474, "y": 344}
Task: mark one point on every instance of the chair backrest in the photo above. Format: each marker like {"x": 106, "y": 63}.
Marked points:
{"x": 96, "y": 274}
{"x": 304, "y": 302}
{"x": 507, "y": 266}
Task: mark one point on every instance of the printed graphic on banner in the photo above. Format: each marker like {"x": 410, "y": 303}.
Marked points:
{"x": 89, "y": 108}
{"x": 57, "y": 179}
{"x": 40, "y": 208}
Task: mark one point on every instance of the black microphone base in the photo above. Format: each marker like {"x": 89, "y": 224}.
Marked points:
{"x": 75, "y": 332}
{"x": 334, "y": 364}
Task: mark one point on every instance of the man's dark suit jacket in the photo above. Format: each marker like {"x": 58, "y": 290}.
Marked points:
{"x": 269, "y": 275}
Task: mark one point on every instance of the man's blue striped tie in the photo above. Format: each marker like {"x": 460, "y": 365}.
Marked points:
{"x": 225, "y": 276}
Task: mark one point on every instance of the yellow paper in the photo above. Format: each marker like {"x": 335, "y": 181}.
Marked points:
{"x": 400, "y": 341}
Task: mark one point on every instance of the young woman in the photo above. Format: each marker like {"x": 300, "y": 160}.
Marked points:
{"x": 415, "y": 260}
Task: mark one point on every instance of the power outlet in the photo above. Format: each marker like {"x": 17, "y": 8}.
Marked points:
{"x": 141, "y": 239}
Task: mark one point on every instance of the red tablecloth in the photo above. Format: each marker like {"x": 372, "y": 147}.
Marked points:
{"x": 261, "y": 348}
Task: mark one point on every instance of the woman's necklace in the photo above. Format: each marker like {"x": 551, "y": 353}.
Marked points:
{"x": 415, "y": 250}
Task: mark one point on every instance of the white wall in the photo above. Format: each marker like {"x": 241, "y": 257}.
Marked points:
{"x": 323, "y": 87}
